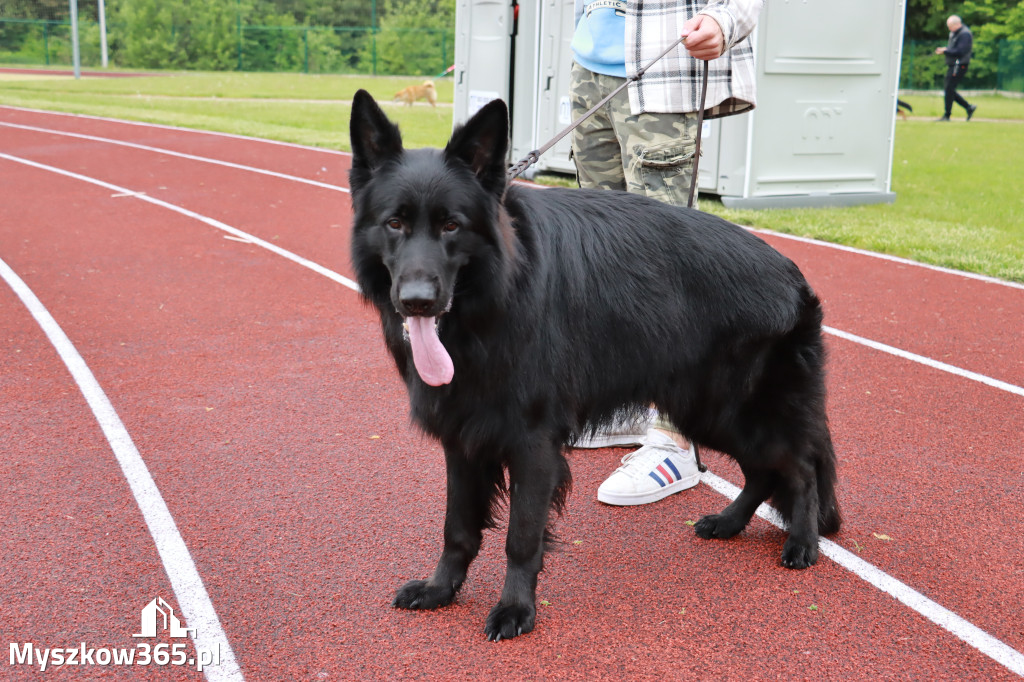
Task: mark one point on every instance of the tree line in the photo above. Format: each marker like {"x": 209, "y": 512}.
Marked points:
{"x": 385, "y": 36}
{"x": 361, "y": 36}
{"x": 998, "y": 29}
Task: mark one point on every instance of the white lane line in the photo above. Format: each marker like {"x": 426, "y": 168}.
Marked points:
{"x": 964, "y": 630}
{"x": 315, "y": 267}
{"x": 180, "y": 129}
{"x": 180, "y": 155}
{"x": 935, "y": 364}
{"x": 181, "y": 570}
{"x": 969, "y": 633}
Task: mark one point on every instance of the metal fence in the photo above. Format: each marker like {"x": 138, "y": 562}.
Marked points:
{"x": 994, "y": 66}
{"x": 305, "y": 49}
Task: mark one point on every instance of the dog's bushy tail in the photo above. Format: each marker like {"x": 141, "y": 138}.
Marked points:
{"x": 829, "y": 516}
{"x": 558, "y": 501}
{"x": 807, "y": 368}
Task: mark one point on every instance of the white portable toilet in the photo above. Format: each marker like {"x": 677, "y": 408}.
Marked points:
{"x": 822, "y": 132}
{"x": 519, "y": 53}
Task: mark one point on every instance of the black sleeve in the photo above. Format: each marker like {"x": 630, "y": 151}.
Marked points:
{"x": 961, "y": 45}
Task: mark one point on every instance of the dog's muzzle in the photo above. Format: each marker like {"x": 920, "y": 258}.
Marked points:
{"x": 418, "y": 297}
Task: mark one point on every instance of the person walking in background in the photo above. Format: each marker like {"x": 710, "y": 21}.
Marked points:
{"x": 958, "y": 56}
{"x": 643, "y": 142}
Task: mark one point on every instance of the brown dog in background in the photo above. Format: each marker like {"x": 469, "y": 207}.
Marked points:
{"x": 415, "y": 92}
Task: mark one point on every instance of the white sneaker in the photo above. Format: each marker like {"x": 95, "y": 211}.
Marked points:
{"x": 659, "y": 469}
{"x": 623, "y": 432}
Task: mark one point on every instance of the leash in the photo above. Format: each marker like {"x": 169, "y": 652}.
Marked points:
{"x": 696, "y": 158}
{"x": 534, "y": 156}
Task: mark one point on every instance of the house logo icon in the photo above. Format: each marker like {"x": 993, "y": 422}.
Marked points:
{"x": 151, "y": 620}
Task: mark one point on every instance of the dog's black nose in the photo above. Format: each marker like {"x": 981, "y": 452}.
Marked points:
{"x": 418, "y": 297}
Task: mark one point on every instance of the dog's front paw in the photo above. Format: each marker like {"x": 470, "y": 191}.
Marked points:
{"x": 718, "y": 526}
{"x": 796, "y": 554}
{"x": 421, "y": 594}
{"x": 507, "y": 621}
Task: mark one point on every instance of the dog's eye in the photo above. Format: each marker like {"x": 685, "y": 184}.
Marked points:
{"x": 451, "y": 226}
{"x": 394, "y": 224}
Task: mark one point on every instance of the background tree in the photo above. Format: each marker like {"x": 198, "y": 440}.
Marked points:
{"x": 198, "y": 34}
{"x": 53, "y": 10}
{"x": 326, "y": 12}
{"x": 926, "y": 20}
{"x": 998, "y": 28}
{"x": 416, "y": 37}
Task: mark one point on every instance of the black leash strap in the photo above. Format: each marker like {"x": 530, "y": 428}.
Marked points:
{"x": 696, "y": 149}
{"x": 701, "y": 466}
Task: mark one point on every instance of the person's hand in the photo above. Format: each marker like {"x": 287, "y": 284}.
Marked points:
{"x": 940, "y": 50}
{"x": 703, "y": 37}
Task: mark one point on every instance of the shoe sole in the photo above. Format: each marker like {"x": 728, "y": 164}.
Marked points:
{"x": 628, "y": 440}
{"x": 627, "y": 500}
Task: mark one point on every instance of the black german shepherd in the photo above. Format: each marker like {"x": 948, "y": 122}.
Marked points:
{"x": 517, "y": 317}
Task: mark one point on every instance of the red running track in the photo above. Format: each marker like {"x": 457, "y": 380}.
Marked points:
{"x": 260, "y": 398}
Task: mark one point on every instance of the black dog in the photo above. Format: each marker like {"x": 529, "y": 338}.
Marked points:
{"x": 518, "y": 316}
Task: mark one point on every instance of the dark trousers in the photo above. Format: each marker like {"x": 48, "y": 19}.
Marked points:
{"x": 954, "y": 74}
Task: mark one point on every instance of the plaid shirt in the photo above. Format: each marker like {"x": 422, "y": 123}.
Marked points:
{"x": 673, "y": 84}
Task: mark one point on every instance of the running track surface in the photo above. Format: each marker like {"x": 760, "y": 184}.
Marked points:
{"x": 258, "y": 395}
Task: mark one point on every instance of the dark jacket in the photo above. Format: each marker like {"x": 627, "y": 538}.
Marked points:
{"x": 961, "y": 44}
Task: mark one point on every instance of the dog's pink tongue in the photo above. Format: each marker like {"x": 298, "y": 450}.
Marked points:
{"x": 431, "y": 359}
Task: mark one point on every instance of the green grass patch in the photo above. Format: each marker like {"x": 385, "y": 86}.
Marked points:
{"x": 958, "y": 202}
{"x": 958, "y": 198}
{"x": 300, "y": 108}
{"x": 931, "y": 106}
{"x": 230, "y": 84}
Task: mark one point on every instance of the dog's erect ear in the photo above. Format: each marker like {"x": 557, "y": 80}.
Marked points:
{"x": 482, "y": 144}
{"x": 375, "y": 139}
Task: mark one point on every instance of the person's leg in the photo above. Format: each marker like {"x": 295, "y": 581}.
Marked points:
{"x": 651, "y": 154}
{"x": 658, "y": 153}
{"x": 668, "y": 428}
{"x": 598, "y": 157}
{"x": 595, "y": 148}
{"x": 961, "y": 71}
{"x": 949, "y": 89}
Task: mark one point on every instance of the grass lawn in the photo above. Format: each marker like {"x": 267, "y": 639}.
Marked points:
{"x": 300, "y": 108}
{"x": 959, "y": 201}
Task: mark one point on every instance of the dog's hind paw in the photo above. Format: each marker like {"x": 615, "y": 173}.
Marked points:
{"x": 421, "y": 594}
{"x": 506, "y": 622}
{"x": 718, "y": 526}
{"x": 799, "y": 555}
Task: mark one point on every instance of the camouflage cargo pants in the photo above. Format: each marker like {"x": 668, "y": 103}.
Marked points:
{"x": 650, "y": 154}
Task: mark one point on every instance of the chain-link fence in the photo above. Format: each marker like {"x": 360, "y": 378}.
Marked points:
{"x": 307, "y": 49}
{"x": 411, "y": 52}
{"x": 994, "y": 66}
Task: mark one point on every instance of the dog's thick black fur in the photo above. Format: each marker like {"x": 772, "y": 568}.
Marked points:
{"x": 560, "y": 308}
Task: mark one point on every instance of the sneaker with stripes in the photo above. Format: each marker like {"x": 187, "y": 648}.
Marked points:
{"x": 659, "y": 469}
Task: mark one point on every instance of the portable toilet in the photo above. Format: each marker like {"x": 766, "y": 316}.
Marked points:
{"x": 827, "y": 74}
